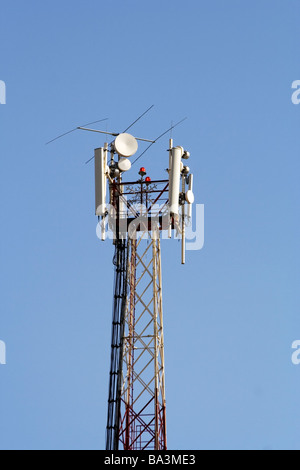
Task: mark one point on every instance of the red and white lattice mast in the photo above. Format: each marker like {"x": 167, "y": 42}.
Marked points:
{"x": 135, "y": 213}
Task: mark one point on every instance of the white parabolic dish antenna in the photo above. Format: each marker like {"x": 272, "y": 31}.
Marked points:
{"x": 126, "y": 145}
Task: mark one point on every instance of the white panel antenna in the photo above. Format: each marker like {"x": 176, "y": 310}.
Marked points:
{"x": 100, "y": 181}
{"x": 175, "y": 174}
{"x": 170, "y": 181}
{"x": 190, "y": 198}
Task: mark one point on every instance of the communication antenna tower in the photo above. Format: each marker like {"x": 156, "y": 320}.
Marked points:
{"x": 135, "y": 213}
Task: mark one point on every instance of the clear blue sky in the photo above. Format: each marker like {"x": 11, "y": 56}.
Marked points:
{"x": 232, "y": 313}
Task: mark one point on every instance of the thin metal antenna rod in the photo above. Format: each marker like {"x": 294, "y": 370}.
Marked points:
{"x": 88, "y": 161}
{"x": 142, "y": 115}
{"x": 159, "y": 137}
{"x": 99, "y": 132}
{"x": 113, "y": 134}
{"x": 75, "y": 129}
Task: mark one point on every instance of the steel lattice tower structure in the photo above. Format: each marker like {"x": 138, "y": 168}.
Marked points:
{"x": 143, "y": 403}
{"x": 137, "y": 214}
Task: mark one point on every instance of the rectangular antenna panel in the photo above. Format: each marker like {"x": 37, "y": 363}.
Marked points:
{"x": 190, "y": 206}
{"x": 175, "y": 175}
{"x": 100, "y": 181}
